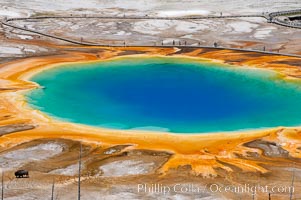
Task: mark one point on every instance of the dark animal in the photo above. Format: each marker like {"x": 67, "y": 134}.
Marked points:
{"x": 22, "y": 174}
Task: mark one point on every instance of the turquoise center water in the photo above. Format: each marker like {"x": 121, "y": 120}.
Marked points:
{"x": 167, "y": 94}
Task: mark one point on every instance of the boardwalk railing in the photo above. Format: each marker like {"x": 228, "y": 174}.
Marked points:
{"x": 133, "y": 17}
{"x": 286, "y": 12}
{"x": 290, "y": 24}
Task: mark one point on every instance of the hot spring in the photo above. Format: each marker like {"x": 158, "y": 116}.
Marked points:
{"x": 169, "y": 94}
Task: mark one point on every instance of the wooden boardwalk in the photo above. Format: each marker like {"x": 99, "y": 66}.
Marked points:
{"x": 134, "y": 17}
{"x": 274, "y": 18}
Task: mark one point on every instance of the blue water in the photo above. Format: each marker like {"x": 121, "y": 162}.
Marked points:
{"x": 167, "y": 94}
